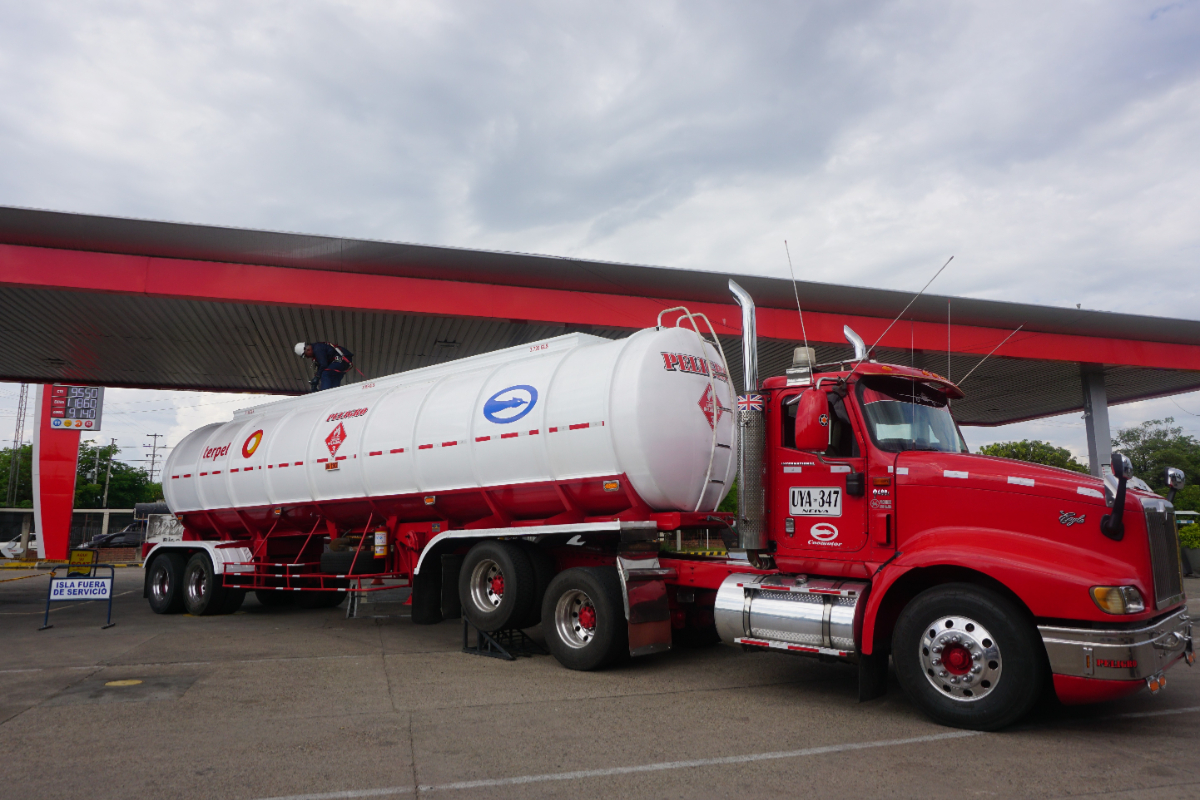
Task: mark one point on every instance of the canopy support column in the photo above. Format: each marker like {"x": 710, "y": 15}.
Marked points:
{"x": 1095, "y": 418}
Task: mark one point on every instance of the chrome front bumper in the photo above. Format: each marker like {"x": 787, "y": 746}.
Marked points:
{"x": 1118, "y": 655}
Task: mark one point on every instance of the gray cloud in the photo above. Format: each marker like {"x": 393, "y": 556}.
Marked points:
{"x": 1050, "y": 147}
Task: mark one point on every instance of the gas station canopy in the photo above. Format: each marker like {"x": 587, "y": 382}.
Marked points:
{"x": 120, "y": 302}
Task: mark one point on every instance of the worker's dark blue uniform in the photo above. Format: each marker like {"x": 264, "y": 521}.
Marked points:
{"x": 333, "y": 362}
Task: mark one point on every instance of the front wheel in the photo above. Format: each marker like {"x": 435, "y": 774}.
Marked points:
{"x": 968, "y": 657}
{"x": 583, "y": 618}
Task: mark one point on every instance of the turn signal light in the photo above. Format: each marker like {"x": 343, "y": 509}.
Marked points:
{"x": 430, "y": 500}
{"x": 612, "y": 486}
{"x": 1118, "y": 599}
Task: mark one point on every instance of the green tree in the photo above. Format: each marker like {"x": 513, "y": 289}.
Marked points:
{"x": 1157, "y": 444}
{"x": 127, "y": 484}
{"x": 1035, "y": 452}
{"x": 24, "y": 479}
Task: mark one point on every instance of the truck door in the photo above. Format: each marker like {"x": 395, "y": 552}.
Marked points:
{"x": 818, "y": 481}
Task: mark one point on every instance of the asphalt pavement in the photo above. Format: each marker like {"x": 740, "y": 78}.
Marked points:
{"x": 283, "y": 702}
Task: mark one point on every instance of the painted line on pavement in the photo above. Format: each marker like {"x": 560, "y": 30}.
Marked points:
{"x": 611, "y": 771}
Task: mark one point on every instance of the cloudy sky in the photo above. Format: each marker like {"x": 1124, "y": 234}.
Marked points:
{"x": 1050, "y": 147}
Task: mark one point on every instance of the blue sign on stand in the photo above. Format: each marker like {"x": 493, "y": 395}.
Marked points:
{"x": 73, "y": 588}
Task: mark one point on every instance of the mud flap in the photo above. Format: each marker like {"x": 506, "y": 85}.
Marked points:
{"x": 644, "y": 592}
{"x": 872, "y": 676}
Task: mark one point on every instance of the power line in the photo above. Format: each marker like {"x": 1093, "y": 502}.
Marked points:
{"x": 154, "y": 448}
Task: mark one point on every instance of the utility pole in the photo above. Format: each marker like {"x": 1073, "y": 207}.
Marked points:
{"x": 154, "y": 448}
{"x": 107, "y": 476}
{"x": 14, "y": 468}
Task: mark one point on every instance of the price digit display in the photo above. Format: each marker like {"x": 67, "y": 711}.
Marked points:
{"x": 76, "y": 408}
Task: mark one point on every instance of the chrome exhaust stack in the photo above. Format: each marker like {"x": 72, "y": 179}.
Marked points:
{"x": 751, "y": 523}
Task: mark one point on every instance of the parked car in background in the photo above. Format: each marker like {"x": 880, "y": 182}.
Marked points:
{"x": 132, "y": 535}
{"x": 12, "y": 548}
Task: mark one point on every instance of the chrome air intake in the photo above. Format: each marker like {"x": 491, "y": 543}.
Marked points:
{"x": 793, "y": 613}
{"x": 751, "y": 523}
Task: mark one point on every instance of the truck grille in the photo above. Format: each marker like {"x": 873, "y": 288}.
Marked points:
{"x": 1164, "y": 554}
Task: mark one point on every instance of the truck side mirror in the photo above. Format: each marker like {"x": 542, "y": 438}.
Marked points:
{"x": 812, "y": 421}
{"x": 1113, "y": 525}
{"x": 1175, "y": 481}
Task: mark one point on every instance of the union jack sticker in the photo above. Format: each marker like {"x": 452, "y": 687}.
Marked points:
{"x": 750, "y": 402}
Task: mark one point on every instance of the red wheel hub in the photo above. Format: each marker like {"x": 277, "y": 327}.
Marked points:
{"x": 956, "y": 659}
{"x": 587, "y": 617}
{"x": 498, "y": 585}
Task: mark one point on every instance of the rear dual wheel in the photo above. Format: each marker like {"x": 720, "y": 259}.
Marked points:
{"x": 583, "y": 617}
{"x": 203, "y": 592}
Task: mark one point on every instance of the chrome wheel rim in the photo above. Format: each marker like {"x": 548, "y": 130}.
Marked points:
{"x": 197, "y": 585}
{"x": 960, "y": 658}
{"x": 487, "y": 585}
{"x": 575, "y": 619}
{"x": 160, "y": 584}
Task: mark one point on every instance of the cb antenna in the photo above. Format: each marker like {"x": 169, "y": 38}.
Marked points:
{"x": 796, "y": 291}
{"x": 901, "y": 314}
{"x": 989, "y": 355}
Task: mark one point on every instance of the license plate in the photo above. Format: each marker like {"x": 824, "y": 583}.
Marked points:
{"x": 816, "y": 501}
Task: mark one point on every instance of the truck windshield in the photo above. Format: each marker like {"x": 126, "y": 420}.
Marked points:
{"x": 908, "y": 415}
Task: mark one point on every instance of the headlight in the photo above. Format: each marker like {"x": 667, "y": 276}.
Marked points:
{"x": 1118, "y": 599}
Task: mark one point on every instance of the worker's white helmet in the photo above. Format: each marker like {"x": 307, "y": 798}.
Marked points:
{"x": 300, "y": 348}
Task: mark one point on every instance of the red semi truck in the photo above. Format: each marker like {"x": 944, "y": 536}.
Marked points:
{"x": 864, "y": 528}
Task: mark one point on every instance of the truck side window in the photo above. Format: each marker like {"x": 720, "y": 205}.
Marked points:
{"x": 842, "y": 443}
{"x": 790, "y": 405}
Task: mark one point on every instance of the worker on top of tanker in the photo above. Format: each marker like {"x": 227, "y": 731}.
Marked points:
{"x": 332, "y": 363}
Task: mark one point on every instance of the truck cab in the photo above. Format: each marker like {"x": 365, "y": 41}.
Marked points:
{"x": 964, "y": 569}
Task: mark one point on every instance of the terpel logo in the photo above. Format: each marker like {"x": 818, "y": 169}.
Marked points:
{"x": 251, "y": 444}
{"x": 511, "y": 404}
{"x": 215, "y": 452}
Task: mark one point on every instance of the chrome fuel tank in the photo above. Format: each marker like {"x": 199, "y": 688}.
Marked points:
{"x": 796, "y": 613}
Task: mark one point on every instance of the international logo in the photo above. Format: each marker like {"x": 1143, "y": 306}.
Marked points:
{"x": 712, "y": 410}
{"x": 335, "y": 438}
{"x": 251, "y": 444}
{"x": 511, "y": 404}
{"x": 1068, "y": 518}
{"x": 824, "y": 534}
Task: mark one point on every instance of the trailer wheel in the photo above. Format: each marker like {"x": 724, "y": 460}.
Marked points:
{"x": 583, "y": 618}
{"x": 427, "y": 594}
{"x": 164, "y": 577}
{"x": 233, "y": 600}
{"x": 271, "y": 598}
{"x": 496, "y": 586}
{"x": 543, "y": 573}
{"x": 968, "y": 657}
{"x": 203, "y": 594}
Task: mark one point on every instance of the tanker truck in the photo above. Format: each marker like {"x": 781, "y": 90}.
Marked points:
{"x": 577, "y": 482}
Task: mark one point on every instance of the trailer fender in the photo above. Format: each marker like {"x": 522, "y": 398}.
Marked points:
{"x": 1048, "y": 578}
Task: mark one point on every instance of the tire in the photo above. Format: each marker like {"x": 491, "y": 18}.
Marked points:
{"x": 451, "y": 567}
{"x": 575, "y": 645}
{"x": 427, "y": 594}
{"x": 164, "y": 579}
{"x": 203, "y": 594}
{"x": 314, "y": 599}
{"x": 543, "y": 572}
{"x": 270, "y": 598}
{"x": 492, "y": 566}
{"x": 337, "y": 562}
{"x": 233, "y": 600}
{"x": 991, "y": 667}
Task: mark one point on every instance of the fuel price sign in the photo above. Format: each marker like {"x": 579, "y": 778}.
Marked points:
{"x": 74, "y": 408}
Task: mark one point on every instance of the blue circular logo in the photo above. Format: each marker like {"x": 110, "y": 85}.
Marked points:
{"x": 509, "y": 405}
{"x": 56, "y": 423}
